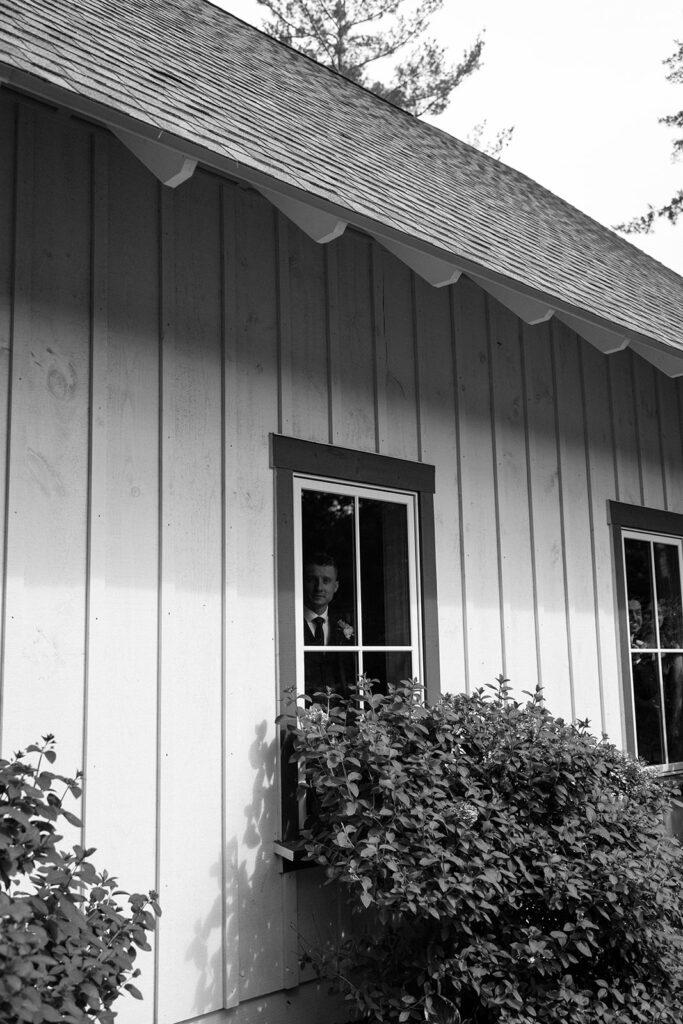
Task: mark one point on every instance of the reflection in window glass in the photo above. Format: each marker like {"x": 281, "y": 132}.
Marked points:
{"x": 672, "y": 672}
{"x": 384, "y": 573}
{"x": 647, "y": 707}
{"x": 653, "y": 592}
{"x": 358, "y": 577}
{"x": 668, "y": 584}
{"x": 639, "y": 587}
{"x": 328, "y": 537}
{"x": 391, "y": 665}
{"x": 329, "y": 671}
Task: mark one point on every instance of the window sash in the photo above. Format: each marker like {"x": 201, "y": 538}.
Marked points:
{"x": 405, "y": 499}
{"x": 656, "y": 651}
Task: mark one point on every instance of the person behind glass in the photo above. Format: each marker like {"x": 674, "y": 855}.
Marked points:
{"x": 333, "y": 670}
{"x": 321, "y": 583}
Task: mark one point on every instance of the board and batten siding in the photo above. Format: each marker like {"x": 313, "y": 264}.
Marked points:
{"x": 150, "y": 342}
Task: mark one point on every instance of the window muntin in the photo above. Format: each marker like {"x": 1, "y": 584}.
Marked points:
{"x": 374, "y": 625}
{"x": 653, "y": 573}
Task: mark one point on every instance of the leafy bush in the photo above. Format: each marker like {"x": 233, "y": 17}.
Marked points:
{"x": 67, "y": 947}
{"x": 505, "y": 866}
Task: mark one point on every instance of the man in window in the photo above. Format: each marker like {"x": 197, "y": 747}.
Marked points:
{"x": 323, "y": 627}
{"x": 321, "y": 583}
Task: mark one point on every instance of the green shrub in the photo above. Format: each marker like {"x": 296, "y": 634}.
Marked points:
{"x": 504, "y": 866}
{"x": 67, "y": 947}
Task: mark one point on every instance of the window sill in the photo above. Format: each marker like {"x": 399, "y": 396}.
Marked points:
{"x": 292, "y": 857}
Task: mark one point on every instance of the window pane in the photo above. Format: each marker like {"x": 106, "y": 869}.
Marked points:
{"x": 385, "y": 588}
{"x": 668, "y": 579}
{"x": 387, "y": 667}
{"x": 647, "y": 707}
{"x": 329, "y": 670}
{"x": 672, "y": 673}
{"x": 639, "y": 592}
{"x": 327, "y": 526}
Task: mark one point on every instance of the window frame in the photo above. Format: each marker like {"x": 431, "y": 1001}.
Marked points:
{"x": 404, "y": 499}
{"x": 628, "y": 520}
{"x": 290, "y": 458}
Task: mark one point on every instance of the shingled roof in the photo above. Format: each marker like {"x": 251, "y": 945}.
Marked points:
{"x": 189, "y": 73}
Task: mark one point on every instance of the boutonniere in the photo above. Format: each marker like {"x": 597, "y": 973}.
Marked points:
{"x": 346, "y": 629}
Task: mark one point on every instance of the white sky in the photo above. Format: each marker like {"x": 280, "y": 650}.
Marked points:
{"x": 584, "y": 85}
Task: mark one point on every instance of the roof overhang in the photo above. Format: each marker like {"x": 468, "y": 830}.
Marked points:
{"x": 173, "y": 160}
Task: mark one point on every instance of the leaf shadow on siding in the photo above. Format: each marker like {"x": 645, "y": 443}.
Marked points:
{"x": 261, "y": 939}
{"x": 248, "y": 962}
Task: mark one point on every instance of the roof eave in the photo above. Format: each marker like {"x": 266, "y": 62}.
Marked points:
{"x": 323, "y": 219}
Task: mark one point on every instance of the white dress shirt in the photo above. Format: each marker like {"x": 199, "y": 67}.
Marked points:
{"x": 309, "y": 616}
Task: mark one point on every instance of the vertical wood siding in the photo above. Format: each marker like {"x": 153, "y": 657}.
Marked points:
{"x": 150, "y": 342}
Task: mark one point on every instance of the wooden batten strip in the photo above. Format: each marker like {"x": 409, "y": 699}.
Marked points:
{"x": 231, "y": 795}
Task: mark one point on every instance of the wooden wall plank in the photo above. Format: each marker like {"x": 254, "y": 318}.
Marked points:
{"x": 190, "y": 961}
{"x": 351, "y": 344}
{"x": 672, "y": 442}
{"x": 576, "y": 524}
{"x": 484, "y": 650}
{"x": 8, "y": 114}
{"x": 516, "y": 565}
{"x": 439, "y": 447}
{"x": 396, "y": 386}
{"x": 649, "y": 438}
{"x": 48, "y": 480}
{"x": 596, "y": 385}
{"x": 121, "y": 716}
{"x": 628, "y": 478}
{"x": 546, "y": 521}
{"x": 305, "y": 394}
{"x": 255, "y": 893}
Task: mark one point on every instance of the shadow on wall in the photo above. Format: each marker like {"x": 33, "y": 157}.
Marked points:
{"x": 262, "y": 932}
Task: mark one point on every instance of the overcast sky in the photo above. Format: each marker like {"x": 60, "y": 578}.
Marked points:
{"x": 583, "y": 83}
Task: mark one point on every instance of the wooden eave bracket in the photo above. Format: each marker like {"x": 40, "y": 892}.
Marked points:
{"x": 435, "y": 270}
{"x": 606, "y": 340}
{"x": 167, "y": 164}
{"x": 668, "y": 361}
{"x": 318, "y": 224}
{"x": 603, "y": 338}
{"x": 526, "y": 307}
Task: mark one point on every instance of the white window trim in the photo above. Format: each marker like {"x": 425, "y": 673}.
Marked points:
{"x": 408, "y": 499}
{"x": 652, "y": 539}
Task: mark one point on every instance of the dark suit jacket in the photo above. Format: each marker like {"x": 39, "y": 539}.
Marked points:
{"x": 330, "y": 670}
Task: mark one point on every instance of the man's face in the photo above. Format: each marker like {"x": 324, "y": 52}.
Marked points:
{"x": 635, "y": 616}
{"x": 320, "y": 586}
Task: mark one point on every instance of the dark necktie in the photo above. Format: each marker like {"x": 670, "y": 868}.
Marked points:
{"x": 319, "y": 635}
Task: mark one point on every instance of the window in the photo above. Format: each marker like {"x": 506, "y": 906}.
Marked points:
{"x": 356, "y": 568}
{"x": 649, "y": 550}
{"x": 355, "y": 549}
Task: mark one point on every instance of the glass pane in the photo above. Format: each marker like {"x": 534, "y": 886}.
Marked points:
{"x": 333, "y": 671}
{"x": 387, "y": 667}
{"x": 668, "y": 579}
{"x": 672, "y": 673}
{"x": 647, "y": 707}
{"x": 639, "y": 592}
{"x": 327, "y": 526}
{"x": 385, "y": 588}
